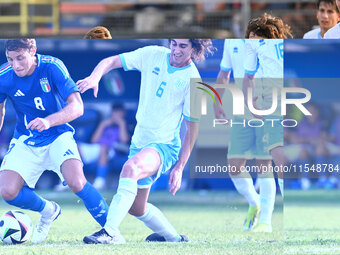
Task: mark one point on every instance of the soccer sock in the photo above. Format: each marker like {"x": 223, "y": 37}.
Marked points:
{"x": 280, "y": 181}
{"x": 158, "y": 223}
{"x": 267, "y": 197}
{"x": 28, "y": 199}
{"x": 244, "y": 185}
{"x": 94, "y": 203}
{"x": 120, "y": 204}
{"x": 102, "y": 171}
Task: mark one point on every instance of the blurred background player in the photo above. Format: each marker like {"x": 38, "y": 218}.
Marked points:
{"x": 156, "y": 145}
{"x": 108, "y": 134}
{"x": 266, "y": 55}
{"x": 98, "y": 33}
{"x": 45, "y": 98}
{"x": 334, "y": 32}
{"x": 244, "y": 142}
{"x": 327, "y": 15}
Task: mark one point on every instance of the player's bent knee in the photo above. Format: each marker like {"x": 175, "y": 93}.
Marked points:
{"x": 130, "y": 170}
{"x": 76, "y": 185}
{"x": 9, "y": 192}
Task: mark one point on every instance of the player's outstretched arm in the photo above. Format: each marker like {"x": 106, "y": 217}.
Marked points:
{"x": 104, "y": 66}
{"x": 2, "y": 113}
{"x": 222, "y": 78}
{"x": 71, "y": 111}
{"x": 188, "y": 143}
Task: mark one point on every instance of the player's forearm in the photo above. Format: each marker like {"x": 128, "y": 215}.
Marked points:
{"x": 98, "y": 133}
{"x": 222, "y": 78}
{"x": 248, "y": 82}
{"x": 188, "y": 143}
{"x": 71, "y": 111}
{"x": 105, "y": 66}
{"x": 2, "y": 113}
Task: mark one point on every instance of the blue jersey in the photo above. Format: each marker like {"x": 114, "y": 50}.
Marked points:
{"x": 40, "y": 94}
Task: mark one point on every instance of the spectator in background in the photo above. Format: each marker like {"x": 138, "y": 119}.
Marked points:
{"x": 98, "y": 33}
{"x": 309, "y": 143}
{"x": 109, "y": 133}
{"x": 327, "y": 15}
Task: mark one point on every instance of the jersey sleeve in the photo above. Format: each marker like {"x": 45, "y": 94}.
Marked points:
{"x": 226, "y": 64}
{"x": 61, "y": 79}
{"x": 135, "y": 60}
{"x": 251, "y": 61}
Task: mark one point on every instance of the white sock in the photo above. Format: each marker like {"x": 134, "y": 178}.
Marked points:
{"x": 267, "y": 197}
{"x": 158, "y": 223}
{"x": 120, "y": 204}
{"x": 244, "y": 185}
{"x": 48, "y": 209}
{"x": 280, "y": 181}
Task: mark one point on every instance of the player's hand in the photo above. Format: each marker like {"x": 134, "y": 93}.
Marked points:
{"x": 219, "y": 112}
{"x": 88, "y": 83}
{"x": 39, "y": 124}
{"x": 175, "y": 179}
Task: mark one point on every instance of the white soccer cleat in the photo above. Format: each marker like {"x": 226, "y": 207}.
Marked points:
{"x": 252, "y": 218}
{"x": 41, "y": 229}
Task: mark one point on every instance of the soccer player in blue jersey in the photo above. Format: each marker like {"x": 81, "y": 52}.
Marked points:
{"x": 45, "y": 98}
{"x": 156, "y": 145}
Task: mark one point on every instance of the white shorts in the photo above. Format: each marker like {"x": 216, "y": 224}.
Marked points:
{"x": 30, "y": 162}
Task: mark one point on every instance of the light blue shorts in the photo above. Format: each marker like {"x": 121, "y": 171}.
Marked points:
{"x": 247, "y": 142}
{"x": 169, "y": 156}
{"x": 273, "y": 134}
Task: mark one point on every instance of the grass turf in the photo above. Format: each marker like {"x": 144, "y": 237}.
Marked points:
{"x": 211, "y": 220}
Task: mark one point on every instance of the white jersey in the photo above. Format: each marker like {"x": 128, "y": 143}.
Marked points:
{"x": 333, "y": 33}
{"x": 313, "y": 34}
{"x": 266, "y": 55}
{"x": 164, "y": 95}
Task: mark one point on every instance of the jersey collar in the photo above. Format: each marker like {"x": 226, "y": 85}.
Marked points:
{"x": 172, "y": 69}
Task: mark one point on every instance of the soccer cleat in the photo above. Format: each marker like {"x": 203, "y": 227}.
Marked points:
{"x": 252, "y": 217}
{"x": 262, "y": 228}
{"x": 102, "y": 237}
{"x": 41, "y": 229}
{"x": 158, "y": 238}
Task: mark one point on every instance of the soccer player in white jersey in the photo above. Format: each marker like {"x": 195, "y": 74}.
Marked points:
{"x": 334, "y": 32}
{"x": 45, "y": 98}
{"x": 155, "y": 147}
{"x": 245, "y": 142}
{"x": 268, "y": 56}
{"x": 327, "y": 15}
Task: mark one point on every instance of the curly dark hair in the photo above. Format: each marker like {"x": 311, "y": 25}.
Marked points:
{"x": 202, "y": 48}
{"x": 98, "y": 33}
{"x": 268, "y": 26}
{"x": 18, "y": 44}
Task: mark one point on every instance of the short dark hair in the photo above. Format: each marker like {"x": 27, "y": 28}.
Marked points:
{"x": 18, "y": 44}
{"x": 331, "y": 2}
{"x": 117, "y": 106}
{"x": 202, "y": 48}
{"x": 269, "y": 27}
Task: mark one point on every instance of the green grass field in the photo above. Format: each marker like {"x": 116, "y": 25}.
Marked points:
{"x": 211, "y": 220}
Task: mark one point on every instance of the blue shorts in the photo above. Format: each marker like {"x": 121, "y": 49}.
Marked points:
{"x": 247, "y": 142}
{"x": 169, "y": 156}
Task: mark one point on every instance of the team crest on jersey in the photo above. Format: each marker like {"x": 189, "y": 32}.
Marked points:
{"x": 235, "y": 50}
{"x": 45, "y": 85}
{"x": 180, "y": 83}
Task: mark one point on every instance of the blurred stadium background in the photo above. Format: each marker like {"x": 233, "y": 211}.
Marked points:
{"x": 148, "y": 18}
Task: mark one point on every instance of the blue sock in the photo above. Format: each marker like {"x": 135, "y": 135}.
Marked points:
{"x": 28, "y": 199}
{"x": 102, "y": 171}
{"x": 94, "y": 203}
